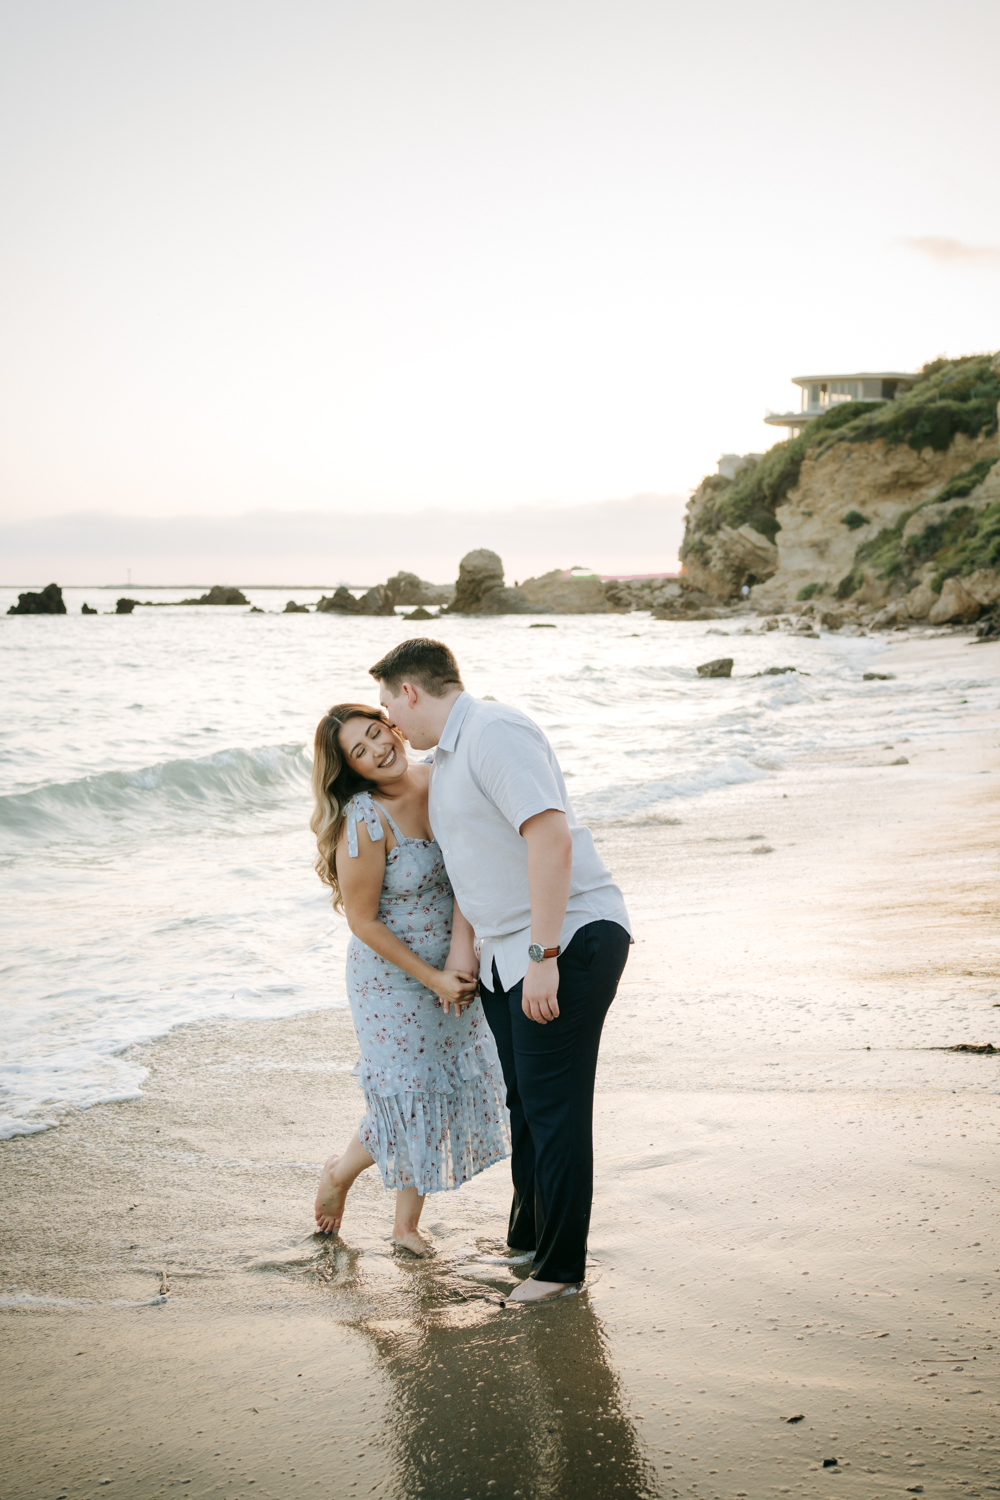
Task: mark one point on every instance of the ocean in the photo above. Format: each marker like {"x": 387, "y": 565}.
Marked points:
{"x": 156, "y": 860}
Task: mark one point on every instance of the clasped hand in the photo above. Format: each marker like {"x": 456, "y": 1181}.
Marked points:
{"x": 456, "y": 987}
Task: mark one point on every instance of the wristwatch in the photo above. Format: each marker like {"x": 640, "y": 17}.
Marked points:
{"x": 538, "y": 954}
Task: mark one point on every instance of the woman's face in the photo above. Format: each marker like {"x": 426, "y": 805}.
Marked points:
{"x": 374, "y": 750}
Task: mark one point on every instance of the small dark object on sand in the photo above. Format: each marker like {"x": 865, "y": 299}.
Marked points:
{"x": 48, "y": 602}
{"x": 722, "y": 666}
{"x": 986, "y": 1049}
{"x": 799, "y": 1416}
{"x": 829, "y": 1463}
{"x": 878, "y": 676}
{"x": 539, "y": 626}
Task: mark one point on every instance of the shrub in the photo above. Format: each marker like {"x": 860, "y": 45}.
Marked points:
{"x": 965, "y": 482}
{"x": 809, "y": 591}
{"x": 854, "y": 519}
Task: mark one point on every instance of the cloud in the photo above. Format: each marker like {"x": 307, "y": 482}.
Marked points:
{"x": 946, "y": 251}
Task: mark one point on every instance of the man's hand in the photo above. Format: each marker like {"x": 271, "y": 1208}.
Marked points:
{"x": 539, "y": 992}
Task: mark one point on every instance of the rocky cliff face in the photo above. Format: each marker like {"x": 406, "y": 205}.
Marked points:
{"x": 868, "y": 505}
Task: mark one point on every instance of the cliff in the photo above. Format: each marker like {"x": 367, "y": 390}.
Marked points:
{"x": 868, "y": 505}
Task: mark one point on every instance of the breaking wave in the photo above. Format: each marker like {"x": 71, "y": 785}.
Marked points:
{"x": 229, "y": 780}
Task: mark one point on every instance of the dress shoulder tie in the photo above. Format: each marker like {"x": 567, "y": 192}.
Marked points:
{"x": 362, "y": 804}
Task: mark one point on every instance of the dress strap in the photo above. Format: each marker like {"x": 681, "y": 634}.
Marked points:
{"x": 399, "y": 837}
{"x": 361, "y": 803}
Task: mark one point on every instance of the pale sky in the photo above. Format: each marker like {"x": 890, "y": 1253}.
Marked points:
{"x": 381, "y": 256}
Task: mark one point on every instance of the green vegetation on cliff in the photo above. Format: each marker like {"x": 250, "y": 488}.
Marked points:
{"x": 957, "y": 543}
{"x": 949, "y": 397}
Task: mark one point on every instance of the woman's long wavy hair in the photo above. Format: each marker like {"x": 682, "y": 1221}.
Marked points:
{"x": 334, "y": 783}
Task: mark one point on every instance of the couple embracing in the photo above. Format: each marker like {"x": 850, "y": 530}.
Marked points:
{"x": 488, "y": 939}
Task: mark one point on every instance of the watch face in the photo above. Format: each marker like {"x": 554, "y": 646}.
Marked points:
{"x": 536, "y": 952}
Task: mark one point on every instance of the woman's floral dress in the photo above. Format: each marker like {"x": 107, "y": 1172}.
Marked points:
{"x": 434, "y": 1091}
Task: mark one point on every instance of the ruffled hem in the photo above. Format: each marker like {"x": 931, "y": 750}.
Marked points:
{"x": 436, "y": 1141}
{"x": 461, "y": 1067}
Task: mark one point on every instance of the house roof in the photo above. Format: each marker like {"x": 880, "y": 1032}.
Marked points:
{"x": 857, "y": 375}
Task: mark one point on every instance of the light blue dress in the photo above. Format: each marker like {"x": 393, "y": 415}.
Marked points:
{"x": 433, "y": 1086}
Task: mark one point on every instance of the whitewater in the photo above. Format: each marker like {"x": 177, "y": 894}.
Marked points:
{"x": 156, "y": 862}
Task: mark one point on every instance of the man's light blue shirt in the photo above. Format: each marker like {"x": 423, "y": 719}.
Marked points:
{"x": 494, "y": 769}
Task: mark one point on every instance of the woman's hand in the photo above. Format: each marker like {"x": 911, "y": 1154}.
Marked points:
{"x": 456, "y": 988}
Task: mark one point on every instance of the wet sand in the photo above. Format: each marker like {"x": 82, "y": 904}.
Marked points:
{"x": 795, "y": 1209}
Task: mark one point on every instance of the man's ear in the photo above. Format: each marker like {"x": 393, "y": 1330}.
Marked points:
{"x": 411, "y": 693}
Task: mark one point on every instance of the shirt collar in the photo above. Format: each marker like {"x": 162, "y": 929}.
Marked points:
{"x": 455, "y": 720}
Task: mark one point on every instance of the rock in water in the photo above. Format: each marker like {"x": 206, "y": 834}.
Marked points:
{"x": 125, "y": 606}
{"x": 419, "y": 614}
{"x": 407, "y": 588}
{"x": 48, "y": 602}
{"x": 955, "y": 606}
{"x": 722, "y": 666}
{"x": 220, "y": 594}
{"x": 341, "y": 602}
{"x": 85, "y": 609}
{"x": 480, "y": 589}
{"x": 377, "y": 601}
{"x": 291, "y": 608}
{"x": 567, "y": 595}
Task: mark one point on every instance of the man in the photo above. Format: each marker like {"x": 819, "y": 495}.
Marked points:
{"x": 552, "y": 931}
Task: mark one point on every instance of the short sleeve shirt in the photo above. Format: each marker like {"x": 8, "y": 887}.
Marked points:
{"x": 493, "y": 770}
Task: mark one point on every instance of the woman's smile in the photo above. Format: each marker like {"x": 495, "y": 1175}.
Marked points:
{"x": 388, "y": 759}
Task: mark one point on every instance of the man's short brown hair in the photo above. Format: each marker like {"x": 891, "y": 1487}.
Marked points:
{"x": 428, "y": 664}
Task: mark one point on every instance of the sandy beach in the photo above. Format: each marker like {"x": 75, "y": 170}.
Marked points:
{"x": 795, "y": 1213}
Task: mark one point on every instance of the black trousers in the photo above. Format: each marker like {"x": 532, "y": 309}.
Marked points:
{"x": 549, "y": 1072}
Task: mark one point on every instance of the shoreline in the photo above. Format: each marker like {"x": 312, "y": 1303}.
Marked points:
{"x": 794, "y": 1205}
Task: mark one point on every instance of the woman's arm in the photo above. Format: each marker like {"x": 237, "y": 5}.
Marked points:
{"x": 462, "y": 953}
{"x": 361, "y": 886}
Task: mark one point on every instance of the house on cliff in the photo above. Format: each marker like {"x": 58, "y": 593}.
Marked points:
{"x": 821, "y": 392}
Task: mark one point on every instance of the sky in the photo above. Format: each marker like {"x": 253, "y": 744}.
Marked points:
{"x": 353, "y": 260}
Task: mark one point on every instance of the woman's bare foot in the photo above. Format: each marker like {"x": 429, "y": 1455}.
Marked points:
{"x": 414, "y": 1241}
{"x": 330, "y": 1199}
{"x": 531, "y": 1290}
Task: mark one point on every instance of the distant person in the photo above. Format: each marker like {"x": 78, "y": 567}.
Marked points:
{"x": 434, "y": 1113}
{"x": 551, "y": 929}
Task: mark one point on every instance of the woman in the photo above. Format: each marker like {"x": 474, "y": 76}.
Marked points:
{"x": 433, "y": 1087}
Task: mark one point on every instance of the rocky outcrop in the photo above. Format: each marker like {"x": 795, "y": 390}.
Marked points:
{"x": 887, "y": 485}
{"x": 125, "y": 606}
{"x": 291, "y": 608}
{"x": 955, "y": 605}
{"x": 871, "y": 504}
{"x": 626, "y": 594}
{"x": 480, "y": 589}
{"x": 407, "y": 588}
{"x": 719, "y": 560}
{"x": 48, "y": 602}
{"x": 219, "y": 594}
{"x": 377, "y": 601}
{"x": 560, "y": 592}
{"x": 85, "y": 609}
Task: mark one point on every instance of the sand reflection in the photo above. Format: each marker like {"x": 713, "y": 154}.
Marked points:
{"x": 497, "y": 1401}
